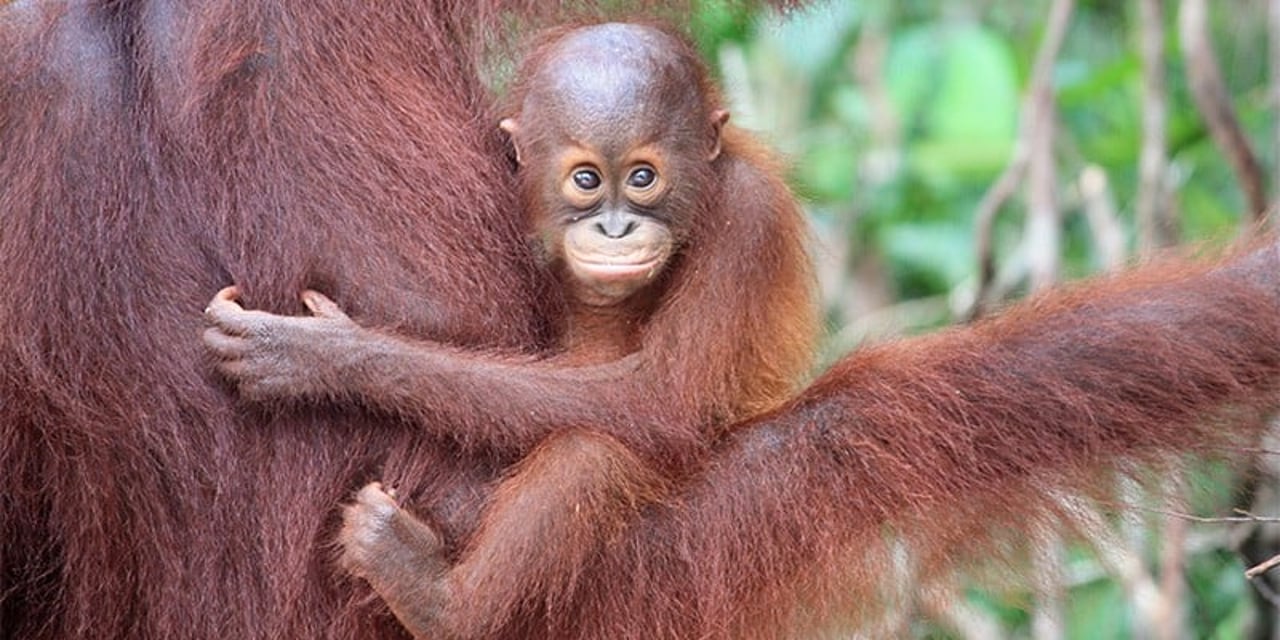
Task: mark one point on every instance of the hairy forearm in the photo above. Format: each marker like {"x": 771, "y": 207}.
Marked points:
{"x": 509, "y": 403}
{"x": 499, "y": 402}
{"x": 1127, "y": 371}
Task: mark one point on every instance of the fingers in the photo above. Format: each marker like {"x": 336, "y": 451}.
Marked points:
{"x": 320, "y": 305}
{"x": 223, "y": 345}
{"x": 228, "y": 294}
{"x": 234, "y": 360}
{"x": 251, "y": 349}
{"x": 225, "y": 301}
{"x": 375, "y": 495}
{"x": 224, "y": 311}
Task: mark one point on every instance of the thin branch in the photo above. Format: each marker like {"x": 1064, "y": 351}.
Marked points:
{"x": 1104, "y": 224}
{"x": 1157, "y": 226}
{"x": 1209, "y": 92}
{"x": 1038, "y": 98}
{"x": 1254, "y": 517}
{"x": 984, "y": 220}
{"x": 867, "y": 64}
{"x": 1048, "y": 557}
{"x": 1172, "y": 563}
{"x": 1244, "y": 516}
{"x": 1262, "y": 567}
{"x": 1044, "y": 220}
{"x": 861, "y": 285}
{"x": 1117, "y": 557}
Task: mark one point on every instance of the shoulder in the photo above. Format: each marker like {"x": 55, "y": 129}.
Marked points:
{"x": 752, "y": 176}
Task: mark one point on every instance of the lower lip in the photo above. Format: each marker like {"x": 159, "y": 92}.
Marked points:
{"x": 617, "y": 271}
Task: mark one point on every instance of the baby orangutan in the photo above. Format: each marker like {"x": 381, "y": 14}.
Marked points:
{"x": 682, "y": 257}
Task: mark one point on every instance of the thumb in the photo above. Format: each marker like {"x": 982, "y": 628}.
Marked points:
{"x": 321, "y": 306}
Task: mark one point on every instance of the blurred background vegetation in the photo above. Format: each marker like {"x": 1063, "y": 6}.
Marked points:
{"x": 897, "y": 118}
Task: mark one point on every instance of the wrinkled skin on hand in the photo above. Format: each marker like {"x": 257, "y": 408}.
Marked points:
{"x": 271, "y": 357}
{"x": 375, "y": 529}
{"x": 401, "y": 556}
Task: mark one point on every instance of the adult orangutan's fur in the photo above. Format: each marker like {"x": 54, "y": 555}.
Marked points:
{"x": 152, "y": 152}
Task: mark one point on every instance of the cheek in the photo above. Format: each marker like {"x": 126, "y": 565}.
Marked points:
{"x": 550, "y": 241}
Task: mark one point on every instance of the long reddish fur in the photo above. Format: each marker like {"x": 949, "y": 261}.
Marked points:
{"x": 152, "y": 152}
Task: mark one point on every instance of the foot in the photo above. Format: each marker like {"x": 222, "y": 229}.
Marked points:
{"x": 400, "y": 556}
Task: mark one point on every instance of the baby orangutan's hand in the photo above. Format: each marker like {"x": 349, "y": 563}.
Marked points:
{"x": 270, "y": 356}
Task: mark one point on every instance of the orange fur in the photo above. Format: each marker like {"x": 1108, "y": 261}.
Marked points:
{"x": 742, "y": 252}
{"x": 152, "y": 152}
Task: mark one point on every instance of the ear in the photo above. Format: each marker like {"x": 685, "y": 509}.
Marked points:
{"x": 510, "y": 126}
{"x": 718, "y": 118}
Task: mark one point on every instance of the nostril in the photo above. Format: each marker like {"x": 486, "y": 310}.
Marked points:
{"x": 616, "y": 228}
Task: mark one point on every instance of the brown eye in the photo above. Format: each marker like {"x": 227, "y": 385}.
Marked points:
{"x": 586, "y": 179}
{"x": 642, "y": 178}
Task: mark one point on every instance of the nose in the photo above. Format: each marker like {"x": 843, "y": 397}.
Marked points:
{"x": 615, "y": 226}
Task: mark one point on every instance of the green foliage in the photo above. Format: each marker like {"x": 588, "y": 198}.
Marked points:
{"x": 892, "y": 165}
{"x": 1093, "y": 612}
{"x": 955, "y": 85}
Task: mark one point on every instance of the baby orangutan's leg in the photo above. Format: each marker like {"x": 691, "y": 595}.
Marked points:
{"x": 542, "y": 526}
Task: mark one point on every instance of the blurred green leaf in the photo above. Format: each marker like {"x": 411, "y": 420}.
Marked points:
{"x": 826, "y": 172}
{"x": 978, "y": 97}
{"x": 930, "y": 256}
{"x": 956, "y": 88}
{"x": 1097, "y": 611}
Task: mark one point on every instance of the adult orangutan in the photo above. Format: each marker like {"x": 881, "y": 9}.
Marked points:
{"x": 649, "y": 211}
{"x": 155, "y": 150}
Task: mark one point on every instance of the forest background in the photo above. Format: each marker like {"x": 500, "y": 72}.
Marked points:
{"x": 958, "y": 154}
